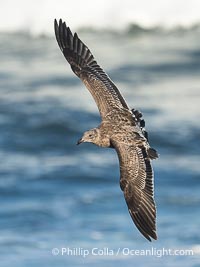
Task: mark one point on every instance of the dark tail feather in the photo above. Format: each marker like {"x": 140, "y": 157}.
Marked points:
{"x": 152, "y": 153}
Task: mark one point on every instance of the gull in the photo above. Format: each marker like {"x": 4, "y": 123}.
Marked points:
{"x": 121, "y": 128}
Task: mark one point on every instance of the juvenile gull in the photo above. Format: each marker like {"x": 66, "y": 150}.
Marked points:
{"x": 121, "y": 129}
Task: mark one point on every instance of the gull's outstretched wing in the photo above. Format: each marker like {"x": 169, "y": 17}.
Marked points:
{"x": 103, "y": 90}
{"x": 136, "y": 181}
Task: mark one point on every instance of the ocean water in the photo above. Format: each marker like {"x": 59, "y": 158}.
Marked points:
{"x": 55, "y": 194}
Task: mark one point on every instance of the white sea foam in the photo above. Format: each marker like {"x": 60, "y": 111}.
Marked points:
{"x": 37, "y": 16}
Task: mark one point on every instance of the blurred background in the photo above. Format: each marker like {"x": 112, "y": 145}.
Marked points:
{"x": 55, "y": 194}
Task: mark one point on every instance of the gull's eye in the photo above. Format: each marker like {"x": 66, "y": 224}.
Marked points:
{"x": 90, "y": 135}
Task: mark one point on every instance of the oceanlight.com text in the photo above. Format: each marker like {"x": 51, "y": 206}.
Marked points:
{"x": 105, "y": 251}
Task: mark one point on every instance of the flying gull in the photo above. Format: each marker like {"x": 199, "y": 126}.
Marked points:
{"x": 121, "y": 129}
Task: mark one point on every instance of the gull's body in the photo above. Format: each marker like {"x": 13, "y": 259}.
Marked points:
{"x": 121, "y": 129}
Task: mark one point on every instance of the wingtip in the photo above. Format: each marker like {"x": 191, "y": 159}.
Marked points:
{"x": 149, "y": 236}
{"x": 75, "y": 35}
{"x": 60, "y": 23}
{"x": 145, "y": 222}
{"x": 154, "y": 236}
{"x": 75, "y": 51}
{"x": 55, "y": 23}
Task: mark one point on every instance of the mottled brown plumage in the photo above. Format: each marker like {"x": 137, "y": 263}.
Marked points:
{"x": 121, "y": 128}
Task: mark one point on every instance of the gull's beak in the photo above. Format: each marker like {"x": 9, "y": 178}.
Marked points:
{"x": 80, "y": 141}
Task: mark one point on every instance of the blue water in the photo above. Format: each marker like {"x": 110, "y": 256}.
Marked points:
{"x": 55, "y": 194}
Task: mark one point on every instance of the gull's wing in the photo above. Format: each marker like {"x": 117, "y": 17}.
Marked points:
{"x": 136, "y": 181}
{"x": 103, "y": 90}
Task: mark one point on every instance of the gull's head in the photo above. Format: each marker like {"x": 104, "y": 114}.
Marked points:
{"x": 91, "y": 136}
